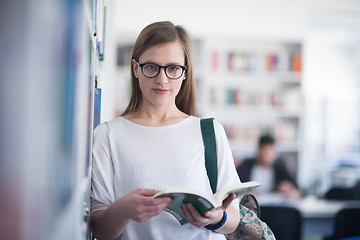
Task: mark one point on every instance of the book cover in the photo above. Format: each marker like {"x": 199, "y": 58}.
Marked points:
{"x": 201, "y": 201}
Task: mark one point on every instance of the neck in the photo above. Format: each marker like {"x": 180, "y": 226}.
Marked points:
{"x": 262, "y": 164}
{"x": 158, "y": 112}
{"x": 156, "y": 115}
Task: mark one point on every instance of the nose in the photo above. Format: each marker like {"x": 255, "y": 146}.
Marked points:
{"x": 161, "y": 78}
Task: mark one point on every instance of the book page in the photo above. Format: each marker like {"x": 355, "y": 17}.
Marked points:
{"x": 238, "y": 190}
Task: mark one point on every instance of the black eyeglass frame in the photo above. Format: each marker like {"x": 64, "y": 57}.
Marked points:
{"x": 160, "y": 67}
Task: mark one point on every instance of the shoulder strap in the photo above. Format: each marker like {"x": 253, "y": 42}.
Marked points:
{"x": 208, "y": 135}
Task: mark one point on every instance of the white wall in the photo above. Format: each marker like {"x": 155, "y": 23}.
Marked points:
{"x": 284, "y": 19}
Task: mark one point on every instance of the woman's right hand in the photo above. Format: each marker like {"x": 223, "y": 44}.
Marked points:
{"x": 140, "y": 206}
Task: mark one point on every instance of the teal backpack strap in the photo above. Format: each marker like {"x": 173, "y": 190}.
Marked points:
{"x": 208, "y": 135}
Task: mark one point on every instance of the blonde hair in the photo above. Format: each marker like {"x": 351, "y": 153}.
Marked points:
{"x": 161, "y": 33}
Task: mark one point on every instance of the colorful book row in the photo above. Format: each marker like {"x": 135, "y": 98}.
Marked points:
{"x": 253, "y": 62}
{"x": 282, "y": 131}
{"x": 289, "y": 100}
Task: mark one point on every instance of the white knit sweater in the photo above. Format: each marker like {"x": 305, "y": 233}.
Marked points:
{"x": 128, "y": 156}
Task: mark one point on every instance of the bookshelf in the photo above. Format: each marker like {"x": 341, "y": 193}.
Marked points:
{"x": 54, "y": 61}
{"x": 254, "y": 87}
{"x": 87, "y": 22}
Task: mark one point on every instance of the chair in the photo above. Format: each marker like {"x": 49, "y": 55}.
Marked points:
{"x": 285, "y": 222}
{"x": 338, "y": 193}
{"x": 347, "y": 223}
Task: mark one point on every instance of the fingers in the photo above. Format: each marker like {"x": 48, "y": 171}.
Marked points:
{"x": 216, "y": 214}
{"x": 151, "y": 205}
{"x": 227, "y": 201}
{"x": 187, "y": 213}
{"x": 146, "y": 192}
{"x": 146, "y": 199}
{"x": 149, "y": 201}
{"x": 193, "y": 216}
{"x": 144, "y": 213}
{"x": 140, "y": 206}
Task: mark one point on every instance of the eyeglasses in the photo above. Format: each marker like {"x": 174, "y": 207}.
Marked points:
{"x": 151, "y": 70}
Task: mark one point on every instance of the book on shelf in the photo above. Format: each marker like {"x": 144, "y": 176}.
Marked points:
{"x": 201, "y": 201}
{"x": 214, "y": 60}
{"x": 237, "y": 96}
{"x": 296, "y": 62}
{"x": 291, "y": 100}
{"x": 123, "y": 55}
{"x": 274, "y": 62}
{"x": 97, "y": 107}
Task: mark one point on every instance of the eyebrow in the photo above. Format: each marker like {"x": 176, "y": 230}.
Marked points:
{"x": 168, "y": 64}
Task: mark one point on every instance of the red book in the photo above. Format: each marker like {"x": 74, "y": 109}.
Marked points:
{"x": 296, "y": 62}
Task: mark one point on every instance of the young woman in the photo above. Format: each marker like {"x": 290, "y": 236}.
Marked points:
{"x": 157, "y": 144}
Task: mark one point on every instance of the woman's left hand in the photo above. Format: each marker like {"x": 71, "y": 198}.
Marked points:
{"x": 213, "y": 216}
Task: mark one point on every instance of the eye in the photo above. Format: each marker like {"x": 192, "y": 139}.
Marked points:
{"x": 151, "y": 67}
{"x": 173, "y": 68}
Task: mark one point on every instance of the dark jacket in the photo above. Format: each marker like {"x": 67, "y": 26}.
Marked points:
{"x": 280, "y": 171}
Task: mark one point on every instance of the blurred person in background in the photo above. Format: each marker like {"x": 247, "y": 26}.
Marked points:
{"x": 268, "y": 169}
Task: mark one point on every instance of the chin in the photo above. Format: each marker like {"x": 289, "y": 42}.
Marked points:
{"x": 162, "y": 101}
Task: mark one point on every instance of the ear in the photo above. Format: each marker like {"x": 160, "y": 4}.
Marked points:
{"x": 135, "y": 67}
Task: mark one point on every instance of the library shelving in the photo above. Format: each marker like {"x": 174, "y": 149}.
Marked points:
{"x": 253, "y": 88}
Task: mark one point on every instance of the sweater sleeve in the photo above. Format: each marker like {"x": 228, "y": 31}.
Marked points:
{"x": 102, "y": 178}
{"x": 227, "y": 174}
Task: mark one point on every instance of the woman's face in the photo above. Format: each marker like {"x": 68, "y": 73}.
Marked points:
{"x": 160, "y": 90}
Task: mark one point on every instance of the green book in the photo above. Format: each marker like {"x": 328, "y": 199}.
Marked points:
{"x": 201, "y": 201}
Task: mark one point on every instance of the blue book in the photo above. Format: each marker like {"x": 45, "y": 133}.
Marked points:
{"x": 97, "y": 106}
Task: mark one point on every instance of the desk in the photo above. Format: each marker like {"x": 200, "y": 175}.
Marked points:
{"x": 318, "y": 214}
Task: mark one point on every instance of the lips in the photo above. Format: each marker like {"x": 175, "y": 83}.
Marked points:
{"x": 160, "y": 90}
